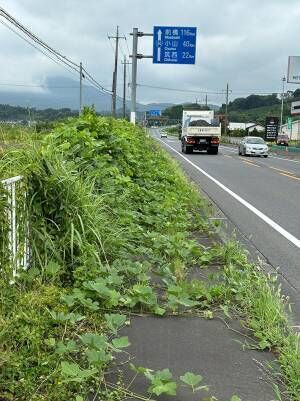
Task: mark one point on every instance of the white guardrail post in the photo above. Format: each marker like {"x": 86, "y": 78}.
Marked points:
{"x": 18, "y": 246}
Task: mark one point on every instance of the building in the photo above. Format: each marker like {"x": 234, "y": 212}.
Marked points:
{"x": 294, "y": 132}
{"x": 233, "y": 126}
{"x": 249, "y": 127}
{"x": 255, "y": 127}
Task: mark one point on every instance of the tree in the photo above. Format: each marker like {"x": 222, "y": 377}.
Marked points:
{"x": 175, "y": 112}
{"x": 296, "y": 94}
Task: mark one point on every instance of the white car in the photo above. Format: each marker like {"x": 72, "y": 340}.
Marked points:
{"x": 253, "y": 145}
{"x": 163, "y": 134}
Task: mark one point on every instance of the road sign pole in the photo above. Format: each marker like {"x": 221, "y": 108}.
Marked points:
{"x": 226, "y": 110}
{"x": 133, "y": 75}
{"x": 282, "y": 97}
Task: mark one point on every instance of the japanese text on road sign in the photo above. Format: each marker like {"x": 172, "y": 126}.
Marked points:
{"x": 174, "y": 45}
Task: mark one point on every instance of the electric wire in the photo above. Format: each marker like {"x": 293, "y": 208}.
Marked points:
{"x": 59, "y": 59}
{"x": 183, "y": 90}
{"x": 210, "y": 92}
{"x": 35, "y": 38}
{"x": 92, "y": 80}
{"x": 69, "y": 68}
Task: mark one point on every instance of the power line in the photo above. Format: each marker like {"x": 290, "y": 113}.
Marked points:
{"x": 59, "y": 58}
{"x": 126, "y": 42}
{"x": 93, "y": 81}
{"x": 210, "y": 92}
{"x": 183, "y": 90}
{"x": 35, "y": 38}
{"x": 38, "y": 49}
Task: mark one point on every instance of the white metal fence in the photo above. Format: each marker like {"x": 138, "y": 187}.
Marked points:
{"x": 18, "y": 248}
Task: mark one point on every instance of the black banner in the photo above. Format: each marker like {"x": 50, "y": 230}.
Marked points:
{"x": 271, "y": 131}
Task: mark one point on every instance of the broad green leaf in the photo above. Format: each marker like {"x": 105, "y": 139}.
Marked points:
{"x": 52, "y": 269}
{"x": 163, "y": 375}
{"x": 79, "y": 398}
{"x": 97, "y": 357}
{"x": 235, "y": 398}
{"x": 168, "y": 388}
{"x": 139, "y": 369}
{"x": 73, "y": 373}
{"x": 159, "y": 311}
{"x": 191, "y": 379}
{"x": 70, "y": 300}
{"x": 75, "y": 317}
{"x": 90, "y": 304}
{"x": 94, "y": 341}
{"x": 69, "y": 369}
{"x": 121, "y": 342}
{"x": 70, "y": 346}
{"x": 115, "y": 321}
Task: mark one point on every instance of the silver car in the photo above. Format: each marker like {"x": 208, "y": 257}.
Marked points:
{"x": 253, "y": 145}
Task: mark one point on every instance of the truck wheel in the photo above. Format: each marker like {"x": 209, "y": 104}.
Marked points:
{"x": 189, "y": 149}
{"x": 212, "y": 151}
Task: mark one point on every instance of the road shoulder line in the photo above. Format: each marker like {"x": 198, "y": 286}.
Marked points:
{"x": 291, "y": 238}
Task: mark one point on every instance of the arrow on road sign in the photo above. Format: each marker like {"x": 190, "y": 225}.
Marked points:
{"x": 159, "y": 33}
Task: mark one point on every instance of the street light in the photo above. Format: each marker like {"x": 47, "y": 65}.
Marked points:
{"x": 282, "y": 97}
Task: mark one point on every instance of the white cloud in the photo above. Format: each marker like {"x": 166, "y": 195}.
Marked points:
{"x": 243, "y": 42}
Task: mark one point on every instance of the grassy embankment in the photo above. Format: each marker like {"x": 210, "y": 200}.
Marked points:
{"x": 108, "y": 209}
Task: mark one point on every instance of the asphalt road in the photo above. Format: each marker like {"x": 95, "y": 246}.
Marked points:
{"x": 260, "y": 198}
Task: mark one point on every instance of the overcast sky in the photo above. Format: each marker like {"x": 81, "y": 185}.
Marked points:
{"x": 245, "y": 43}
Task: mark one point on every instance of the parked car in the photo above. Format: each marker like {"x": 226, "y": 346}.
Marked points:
{"x": 253, "y": 145}
{"x": 282, "y": 140}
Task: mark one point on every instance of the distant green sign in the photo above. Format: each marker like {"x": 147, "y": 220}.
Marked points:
{"x": 289, "y": 122}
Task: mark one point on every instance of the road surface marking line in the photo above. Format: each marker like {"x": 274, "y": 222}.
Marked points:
{"x": 290, "y": 176}
{"x": 290, "y": 237}
{"x": 230, "y": 157}
{"x": 284, "y": 158}
{"x": 282, "y": 171}
{"x": 251, "y": 163}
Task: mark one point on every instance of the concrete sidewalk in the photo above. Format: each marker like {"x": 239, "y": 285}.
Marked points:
{"x": 205, "y": 347}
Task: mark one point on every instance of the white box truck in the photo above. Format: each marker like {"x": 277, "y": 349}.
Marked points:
{"x": 200, "y": 131}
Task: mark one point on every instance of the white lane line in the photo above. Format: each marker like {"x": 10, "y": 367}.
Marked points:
{"x": 283, "y": 158}
{"x": 248, "y": 205}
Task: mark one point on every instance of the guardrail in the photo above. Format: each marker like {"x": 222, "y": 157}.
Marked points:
{"x": 17, "y": 234}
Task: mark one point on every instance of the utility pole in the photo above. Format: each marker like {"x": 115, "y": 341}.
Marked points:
{"x": 282, "y": 97}
{"x": 124, "y": 89}
{"x": 115, "y": 73}
{"x": 135, "y": 33}
{"x": 226, "y": 109}
{"x": 135, "y": 56}
{"x": 206, "y": 100}
{"x": 125, "y": 63}
{"x": 80, "y": 88}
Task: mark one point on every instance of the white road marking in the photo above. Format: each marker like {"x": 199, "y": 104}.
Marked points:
{"x": 248, "y": 205}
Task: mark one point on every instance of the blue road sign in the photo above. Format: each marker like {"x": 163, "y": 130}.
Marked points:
{"x": 174, "y": 45}
{"x": 155, "y": 113}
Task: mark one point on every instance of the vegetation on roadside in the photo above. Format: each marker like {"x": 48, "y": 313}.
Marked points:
{"x": 175, "y": 130}
{"x": 111, "y": 221}
{"x": 24, "y": 114}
